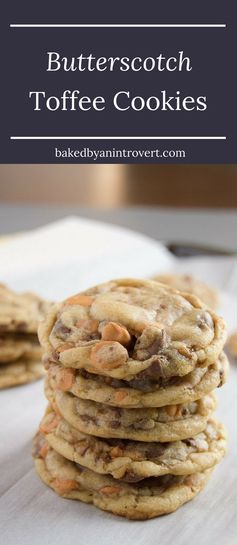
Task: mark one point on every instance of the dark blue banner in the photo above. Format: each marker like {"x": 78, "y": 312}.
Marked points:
{"x": 100, "y": 85}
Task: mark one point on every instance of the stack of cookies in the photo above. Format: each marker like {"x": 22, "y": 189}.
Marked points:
{"x": 131, "y": 369}
{"x": 20, "y": 352}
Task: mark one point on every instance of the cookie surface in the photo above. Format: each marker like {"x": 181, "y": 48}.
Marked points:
{"x": 20, "y": 372}
{"x": 139, "y": 501}
{"x": 143, "y": 393}
{"x": 20, "y": 312}
{"x": 133, "y": 461}
{"x": 129, "y": 328}
{"x": 169, "y": 423}
{"x": 190, "y": 284}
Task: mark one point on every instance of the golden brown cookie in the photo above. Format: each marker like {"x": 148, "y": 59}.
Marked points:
{"x": 169, "y": 423}
{"x": 127, "y": 328}
{"x": 140, "y": 392}
{"x": 139, "y": 501}
{"x": 133, "y": 461}
{"x": 20, "y": 372}
{"x": 20, "y": 312}
{"x": 17, "y": 345}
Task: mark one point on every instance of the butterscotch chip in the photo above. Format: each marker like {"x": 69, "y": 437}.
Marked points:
{"x": 119, "y": 396}
{"x": 65, "y": 486}
{"x": 171, "y": 410}
{"x": 115, "y": 332}
{"x": 108, "y": 490}
{"x": 44, "y": 450}
{"x": 49, "y": 423}
{"x": 79, "y": 299}
{"x": 116, "y": 452}
{"x": 65, "y": 378}
{"x": 108, "y": 355}
{"x": 91, "y": 326}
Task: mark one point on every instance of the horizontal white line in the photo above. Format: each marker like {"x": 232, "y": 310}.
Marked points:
{"x": 118, "y": 26}
{"x": 117, "y": 137}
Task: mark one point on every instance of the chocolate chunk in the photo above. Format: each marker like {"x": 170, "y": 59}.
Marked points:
{"x": 143, "y": 424}
{"x": 221, "y": 374}
{"x": 156, "y": 369}
{"x": 60, "y": 330}
{"x": 154, "y": 450}
{"x": 82, "y": 449}
{"x": 88, "y": 419}
{"x": 81, "y": 468}
{"x": 115, "y": 424}
{"x": 151, "y": 341}
{"x": 159, "y": 343}
{"x": 131, "y": 477}
{"x": 21, "y": 326}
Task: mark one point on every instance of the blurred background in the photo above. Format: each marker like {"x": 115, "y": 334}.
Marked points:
{"x": 185, "y": 204}
{"x": 121, "y": 185}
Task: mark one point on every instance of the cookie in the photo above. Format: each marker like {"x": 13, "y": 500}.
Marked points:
{"x": 133, "y": 461}
{"x": 126, "y": 329}
{"x": 20, "y": 372}
{"x": 169, "y": 423}
{"x": 139, "y": 501}
{"x": 143, "y": 393}
{"x": 20, "y": 312}
{"x": 14, "y": 346}
{"x": 232, "y": 344}
{"x": 190, "y": 284}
